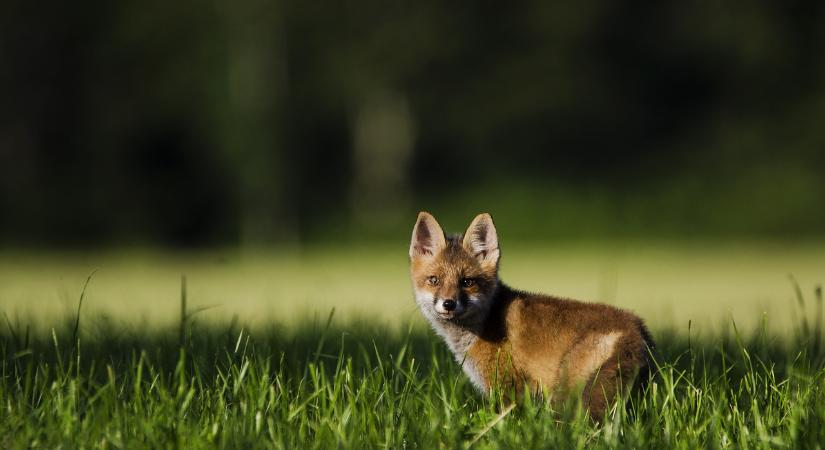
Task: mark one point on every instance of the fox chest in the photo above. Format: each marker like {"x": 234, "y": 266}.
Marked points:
{"x": 487, "y": 364}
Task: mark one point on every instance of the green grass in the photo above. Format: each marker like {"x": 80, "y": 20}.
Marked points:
{"x": 257, "y": 360}
{"x": 668, "y": 284}
{"x": 326, "y": 383}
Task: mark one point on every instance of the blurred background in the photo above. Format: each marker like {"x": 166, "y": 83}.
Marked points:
{"x": 291, "y": 128}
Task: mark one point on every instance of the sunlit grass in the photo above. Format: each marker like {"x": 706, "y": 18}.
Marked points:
{"x": 267, "y": 367}
{"x": 667, "y": 284}
{"x": 332, "y": 383}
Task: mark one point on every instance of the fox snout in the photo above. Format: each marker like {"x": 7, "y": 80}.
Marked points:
{"x": 449, "y": 307}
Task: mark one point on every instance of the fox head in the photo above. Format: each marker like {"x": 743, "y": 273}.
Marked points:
{"x": 454, "y": 277}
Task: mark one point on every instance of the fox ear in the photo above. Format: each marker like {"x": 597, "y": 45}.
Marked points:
{"x": 481, "y": 239}
{"x": 427, "y": 237}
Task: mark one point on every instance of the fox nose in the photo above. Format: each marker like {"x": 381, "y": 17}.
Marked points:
{"x": 449, "y": 305}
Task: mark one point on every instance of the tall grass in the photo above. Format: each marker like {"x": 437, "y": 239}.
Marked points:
{"x": 97, "y": 383}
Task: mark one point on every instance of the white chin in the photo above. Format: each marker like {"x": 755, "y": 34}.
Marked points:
{"x": 448, "y": 315}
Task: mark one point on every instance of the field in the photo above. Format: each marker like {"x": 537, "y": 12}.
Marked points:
{"x": 260, "y": 359}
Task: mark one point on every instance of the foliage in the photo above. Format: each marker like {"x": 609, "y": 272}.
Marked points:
{"x": 224, "y": 122}
{"x": 361, "y": 384}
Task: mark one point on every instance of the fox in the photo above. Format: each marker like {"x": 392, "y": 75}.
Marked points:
{"x": 520, "y": 341}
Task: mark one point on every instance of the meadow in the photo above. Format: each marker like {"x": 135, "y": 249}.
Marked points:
{"x": 324, "y": 348}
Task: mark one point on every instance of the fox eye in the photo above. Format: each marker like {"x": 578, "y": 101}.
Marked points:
{"x": 468, "y": 282}
{"x": 432, "y": 280}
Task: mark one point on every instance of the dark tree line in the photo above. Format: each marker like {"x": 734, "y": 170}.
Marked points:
{"x": 221, "y": 122}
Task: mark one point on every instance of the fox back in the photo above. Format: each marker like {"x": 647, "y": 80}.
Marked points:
{"x": 516, "y": 340}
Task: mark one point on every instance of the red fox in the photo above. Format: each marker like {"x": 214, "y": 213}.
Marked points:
{"x": 518, "y": 340}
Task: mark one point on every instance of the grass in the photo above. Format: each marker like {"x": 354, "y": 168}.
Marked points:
{"x": 666, "y": 283}
{"x": 101, "y": 382}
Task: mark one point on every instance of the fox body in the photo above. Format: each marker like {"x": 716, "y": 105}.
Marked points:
{"x": 518, "y": 340}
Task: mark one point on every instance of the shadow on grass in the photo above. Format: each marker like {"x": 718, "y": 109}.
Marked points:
{"x": 363, "y": 383}
{"x": 102, "y": 341}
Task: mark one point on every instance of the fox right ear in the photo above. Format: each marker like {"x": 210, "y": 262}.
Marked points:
{"x": 481, "y": 240}
{"x": 427, "y": 237}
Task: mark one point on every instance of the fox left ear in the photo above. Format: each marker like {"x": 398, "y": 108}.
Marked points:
{"x": 481, "y": 239}
{"x": 427, "y": 238}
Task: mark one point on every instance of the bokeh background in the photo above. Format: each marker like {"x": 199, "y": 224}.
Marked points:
{"x": 667, "y": 156}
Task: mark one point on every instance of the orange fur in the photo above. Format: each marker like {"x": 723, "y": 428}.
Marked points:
{"x": 516, "y": 340}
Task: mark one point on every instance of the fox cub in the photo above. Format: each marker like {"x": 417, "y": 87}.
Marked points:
{"x": 517, "y": 340}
